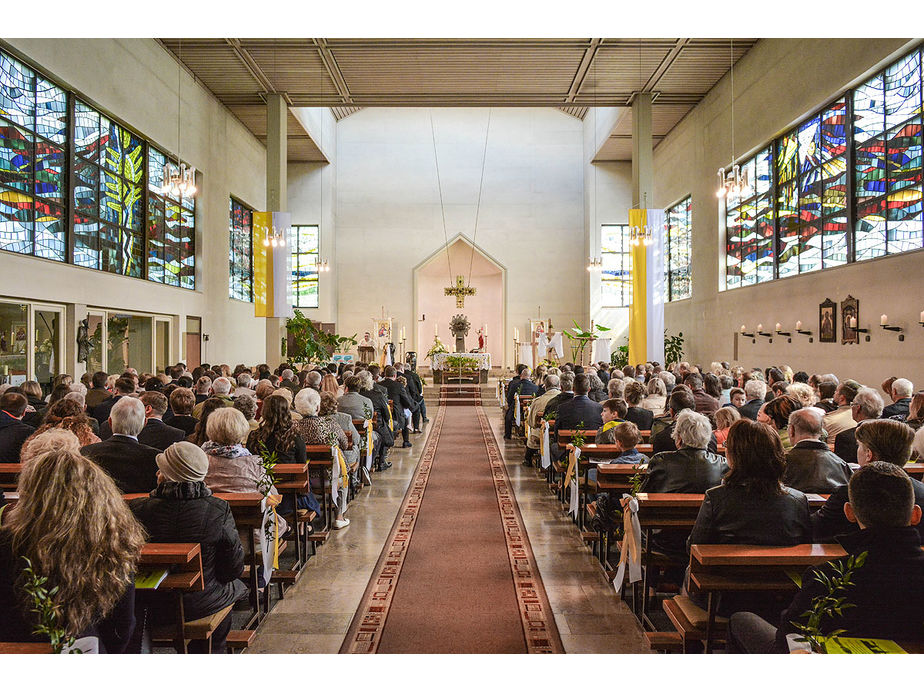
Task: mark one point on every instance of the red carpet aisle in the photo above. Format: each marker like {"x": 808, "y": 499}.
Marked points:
{"x": 457, "y": 574}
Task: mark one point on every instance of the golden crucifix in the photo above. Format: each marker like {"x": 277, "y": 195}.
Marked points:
{"x": 460, "y": 291}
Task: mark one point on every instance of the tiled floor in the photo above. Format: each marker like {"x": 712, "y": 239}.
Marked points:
{"x": 315, "y": 614}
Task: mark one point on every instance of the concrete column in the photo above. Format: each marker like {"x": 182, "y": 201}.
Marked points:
{"x": 277, "y": 112}
{"x": 642, "y": 166}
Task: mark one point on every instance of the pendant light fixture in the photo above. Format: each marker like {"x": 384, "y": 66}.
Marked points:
{"x": 731, "y": 181}
{"x": 179, "y": 180}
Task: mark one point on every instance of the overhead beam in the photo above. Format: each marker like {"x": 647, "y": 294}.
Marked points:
{"x": 665, "y": 64}
{"x": 333, "y": 70}
{"x": 581, "y": 74}
{"x": 251, "y": 65}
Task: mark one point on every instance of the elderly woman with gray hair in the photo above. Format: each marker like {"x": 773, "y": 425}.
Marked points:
{"x": 316, "y": 430}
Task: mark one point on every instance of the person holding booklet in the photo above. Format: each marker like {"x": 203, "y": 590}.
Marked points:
{"x": 884, "y": 596}
{"x": 86, "y": 544}
{"x": 182, "y": 509}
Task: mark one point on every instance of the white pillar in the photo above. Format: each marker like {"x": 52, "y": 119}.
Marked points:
{"x": 277, "y": 112}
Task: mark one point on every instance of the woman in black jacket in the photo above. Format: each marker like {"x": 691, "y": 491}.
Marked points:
{"x": 182, "y": 509}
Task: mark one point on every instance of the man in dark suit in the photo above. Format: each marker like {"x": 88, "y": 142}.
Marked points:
{"x": 754, "y": 391}
{"x": 866, "y": 406}
{"x": 98, "y": 393}
{"x": 13, "y": 432}
{"x": 580, "y": 411}
{"x": 901, "y": 400}
{"x": 885, "y": 440}
{"x": 156, "y": 433}
{"x": 521, "y": 385}
{"x": 415, "y": 390}
{"x": 122, "y": 387}
{"x": 401, "y": 399}
{"x": 380, "y": 408}
{"x": 662, "y": 437}
{"x": 567, "y": 392}
{"x": 131, "y": 465}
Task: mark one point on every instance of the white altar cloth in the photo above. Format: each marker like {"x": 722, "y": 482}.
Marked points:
{"x": 484, "y": 360}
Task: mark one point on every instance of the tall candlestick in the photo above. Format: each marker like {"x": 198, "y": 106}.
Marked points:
{"x": 436, "y": 329}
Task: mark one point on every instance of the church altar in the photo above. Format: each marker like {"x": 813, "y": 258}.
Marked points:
{"x": 440, "y": 370}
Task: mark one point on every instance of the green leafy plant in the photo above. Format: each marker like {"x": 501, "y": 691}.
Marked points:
{"x": 673, "y": 348}
{"x": 46, "y": 611}
{"x": 310, "y": 344}
{"x": 620, "y": 357}
{"x": 268, "y": 462}
{"x": 577, "y": 438}
{"x": 437, "y": 348}
{"x": 636, "y": 481}
{"x": 583, "y": 338}
{"x": 548, "y": 415}
{"x": 829, "y": 604}
{"x": 466, "y": 363}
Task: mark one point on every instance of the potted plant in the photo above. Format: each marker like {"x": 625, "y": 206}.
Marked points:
{"x": 310, "y": 344}
{"x": 583, "y": 338}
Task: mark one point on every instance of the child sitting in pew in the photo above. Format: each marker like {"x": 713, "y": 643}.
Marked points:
{"x": 885, "y": 588}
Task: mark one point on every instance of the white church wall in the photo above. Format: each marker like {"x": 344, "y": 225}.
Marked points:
{"x": 136, "y": 81}
{"x": 389, "y": 216}
{"x": 779, "y": 82}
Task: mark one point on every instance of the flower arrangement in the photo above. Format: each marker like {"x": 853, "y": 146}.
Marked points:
{"x": 437, "y": 348}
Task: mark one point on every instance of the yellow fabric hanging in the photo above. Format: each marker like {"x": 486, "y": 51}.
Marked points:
{"x": 638, "y": 316}
{"x": 344, "y": 474}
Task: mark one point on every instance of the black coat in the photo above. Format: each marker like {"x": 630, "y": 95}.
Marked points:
{"x": 131, "y": 465}
{"x": 749, "y": 409}
{"x": 414, "y": 386}
{"x": 845, "y": 445}
{"x": 884, "y": 589}
{"x": 159, "y": 435}
{"x": 599, "y": 395}
{"x": 812, "y": 468}
{"x": 295, "y": 454}
{"x": 521, "y": 387}
{"x": 732, "y": 514}
{"x": 830, "y": 521}
{"x": 581, "y": 411}
{"x": 551, "y": 407}
{"x": 380, "y": 405}
{"x": 687, "y": 470}
{"x": 184, "y": 422}
{"x": 13, "y": 434}
{"x": 899, "y": 408}
{"x": 101, "y": 411}
{"x": 189, "y": 513}
{"x": 16, "y": 625}
{"x": 643, "y": 418}
{"x": 401, "y": 398}
{"x": 662, "y": 440}
{"x": 34, "y": 418}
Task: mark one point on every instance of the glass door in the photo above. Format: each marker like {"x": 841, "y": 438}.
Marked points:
{"x": 47, "y": 347}
{"x": 193, "y": 342}
{"x": 129, "y": 342}
{"x": 96, "y": 332}
{"x": 162, "y": 345}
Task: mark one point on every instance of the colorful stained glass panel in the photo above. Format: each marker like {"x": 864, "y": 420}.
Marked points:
{"x": 16, "y": 157}
{"x": 17, "y": 92}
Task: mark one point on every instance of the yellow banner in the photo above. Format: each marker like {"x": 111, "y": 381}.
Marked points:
{"x": 638, "y": 316}
{"x": 262, "y": 265}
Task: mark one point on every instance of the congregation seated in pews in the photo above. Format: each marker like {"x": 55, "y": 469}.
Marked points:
{"x": 180, "y": 461}
{"x": 742, "y": 459}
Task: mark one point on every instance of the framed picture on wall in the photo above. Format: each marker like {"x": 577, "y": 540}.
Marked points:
{"x": 19, "y": 335}
{"x": 827, "y": 321}
{"x": 850, "y": 318}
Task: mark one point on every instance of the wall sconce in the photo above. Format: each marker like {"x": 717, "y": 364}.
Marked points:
{"x": 745, "y": 333}
{"x": 859, "y": 330}
{"x": 760, "y": 331}
{"x": 884, "y": 324}
{"x": 779, "y": 331}
{"x": 807, "y": 333}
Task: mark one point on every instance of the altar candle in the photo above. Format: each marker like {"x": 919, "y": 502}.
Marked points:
{"x": 883, "y": 319}
{"x": 853, "y": 323}
{"x": 436, "y": 329}
{"x": 798, "y": 324}
{"x": 516, "y": 334}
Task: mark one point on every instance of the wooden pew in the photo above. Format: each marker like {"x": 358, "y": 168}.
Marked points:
{"x": 9, "y": 475}
{"x": 185, "y": 564}
{"x": 320, "y": 461}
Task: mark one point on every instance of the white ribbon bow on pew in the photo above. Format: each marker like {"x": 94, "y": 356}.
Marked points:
{"x": 631, "y": 544}
{"x": 544, "y": 454}
{"x": 516, "y": 413}
{"x": 368, "y": 426}
{"x": 573, "y": 506}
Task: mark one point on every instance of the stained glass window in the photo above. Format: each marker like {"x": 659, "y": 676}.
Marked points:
{"x": 304, "y": 242}
{"x": 32, "y": 162}
{"x": 171, "y": 225}
{"x": 749, "y": 226}
{"x": 678, "y": 250}
{"x": 887, "y": 160}
{"x": 616, "y": 254}
{"x": 240, "y": 252}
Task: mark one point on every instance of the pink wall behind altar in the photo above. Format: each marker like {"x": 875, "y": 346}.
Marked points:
{"x": 484, "y": 308}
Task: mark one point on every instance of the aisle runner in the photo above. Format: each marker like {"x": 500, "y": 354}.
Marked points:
{"x": 457, "y": 573}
